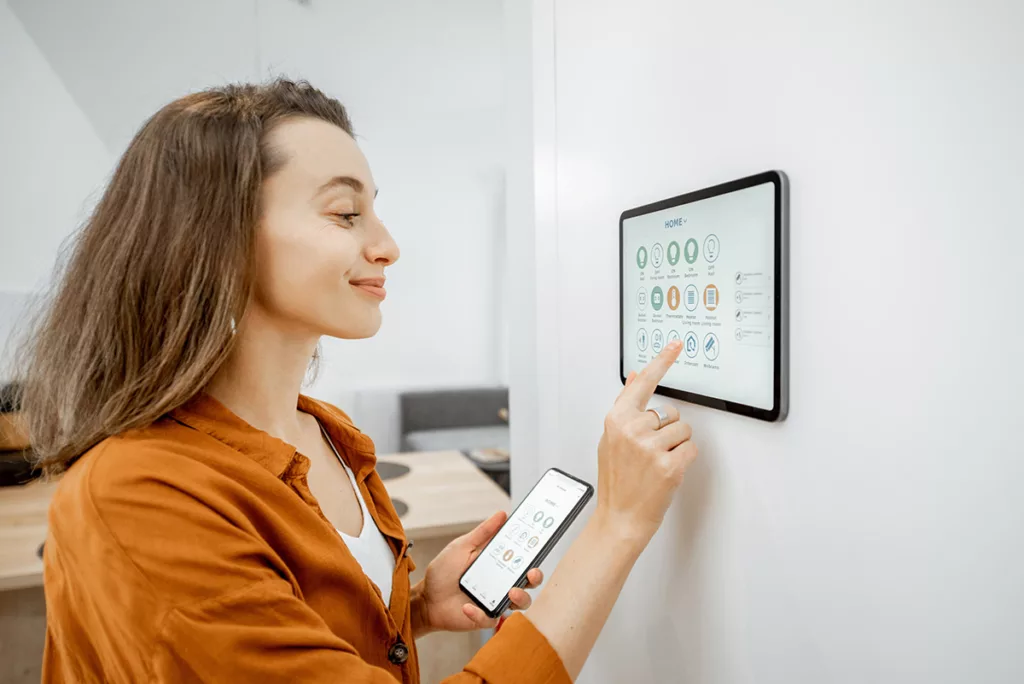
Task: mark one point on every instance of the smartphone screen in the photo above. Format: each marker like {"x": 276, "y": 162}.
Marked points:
{"x": 532, "y": 528}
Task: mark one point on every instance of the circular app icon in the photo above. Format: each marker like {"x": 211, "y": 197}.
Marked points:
{"x": 740, "y": 277}
{"x": 496, "y": 551}
{"x": 641, "y": 298}
{"x": 691, "y": 344}
{"x": 673, "y": 297}
{"x": 657, "y": 254}
{"x": 641, "y": 343}
{"x": 711, "y": 346}
{"x": 657, "y": 298}
{"x": 710, "y": 297}
{"x": 739, "y": 315}
{"x": 533, "y": 542}
{"x": 690, "y": 251}
{"x": 512, "y": 531}
{"x": 657, "y": 341}
{"x": 548, "y": 522}
{"x": 691, "y": 297}
{"x": 673, "y": 335}
{"x": 673, "y": 253}
{"x": 641, "y": 257}
{"x": 522, "y": 537}
{"x": 739, "y": 334}
{"x": 711, "y": 248}
{"x": 538, "y": 517}
{"x": 517, "y": 563}
{"x": 508, "y": 555}
{"x": 739, "y": 297}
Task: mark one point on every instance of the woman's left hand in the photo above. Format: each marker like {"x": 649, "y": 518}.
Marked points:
{"x": 438, "y": 602}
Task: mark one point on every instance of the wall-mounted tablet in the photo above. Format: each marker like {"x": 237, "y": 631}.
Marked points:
{"x": 709, "y": 268}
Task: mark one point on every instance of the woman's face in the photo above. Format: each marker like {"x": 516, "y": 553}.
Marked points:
{"x": 321, "y": 250}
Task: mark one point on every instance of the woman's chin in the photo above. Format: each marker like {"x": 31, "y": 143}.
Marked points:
{"x": 362, "y": 329}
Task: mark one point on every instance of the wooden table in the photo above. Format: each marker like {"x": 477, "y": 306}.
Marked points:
{"x": 22, "y": 608}
{"x": 447, "y": 496}
{"x": 22, "y": 530}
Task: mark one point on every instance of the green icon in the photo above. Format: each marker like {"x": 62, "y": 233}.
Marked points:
{"x": 641, "y": 257}
{"x": 673, "y": 253}
{"x": 690, "y": 252}
{"x": 657, "y": 298}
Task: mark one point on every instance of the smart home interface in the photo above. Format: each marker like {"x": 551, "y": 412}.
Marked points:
{"x": 703, "y": 272}
{"x": 534, "y": 523}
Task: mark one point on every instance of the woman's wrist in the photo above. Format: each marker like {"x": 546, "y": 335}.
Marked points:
{"x": 620, "y": 533}
{"x": 418, "y": 607}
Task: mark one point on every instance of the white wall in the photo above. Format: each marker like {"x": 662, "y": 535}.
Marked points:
{"x": 423, "y": 85}
{"x": 52, "y": 162}
{"x": 875, "y": 535}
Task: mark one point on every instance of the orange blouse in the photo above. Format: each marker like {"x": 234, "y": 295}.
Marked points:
{"x": 193, "y": 550}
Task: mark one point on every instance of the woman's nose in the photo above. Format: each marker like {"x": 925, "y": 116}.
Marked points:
{"x": 382, "y": 249}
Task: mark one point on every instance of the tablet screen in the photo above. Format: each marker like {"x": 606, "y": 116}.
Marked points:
{"x": 703, "y": 272}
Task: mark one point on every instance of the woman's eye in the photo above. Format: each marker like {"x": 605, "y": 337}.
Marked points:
{"x": 346, "y": 218}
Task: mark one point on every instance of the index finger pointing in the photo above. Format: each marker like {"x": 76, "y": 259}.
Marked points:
{"x": 640, "y": 391}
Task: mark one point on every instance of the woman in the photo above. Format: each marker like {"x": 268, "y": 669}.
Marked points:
{"x": 206, "y": 525}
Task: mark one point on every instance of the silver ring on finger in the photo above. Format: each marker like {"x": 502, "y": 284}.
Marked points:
{"x": 663, "y": 415}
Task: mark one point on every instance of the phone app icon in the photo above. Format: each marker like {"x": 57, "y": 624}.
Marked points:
{"x": 673, "y": 335}
{"x": 517, "y": 563}
{"x": 641, "y": 339}
{"x": 522, "y": 537}
{"x": 641, "y": 257}
{"x": 533, "y": 542}
{"x": 527, "y": 512}
{"x": 657, "y": 298}
{"x": 710, "y": 297}
{"x": 538, "y": 517}
{"x": 691, "y": 344}
{"x": 548, "y": 523}
{"x": 691, "y": 297}
{"x": 657, "y": 341}
{"x": 711, "y": 346}
{"x": 508, "y": 555}
{"x": 673, "y": 253}
{"x": 711, "y": 248}
{"x": 641, "y": 298}
{"x": 512, "y": 531}
{"x": 497, "y": 550}
{"x": 657, "y": 254}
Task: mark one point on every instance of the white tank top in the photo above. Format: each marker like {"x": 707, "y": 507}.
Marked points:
{"x": 370, "y": 548}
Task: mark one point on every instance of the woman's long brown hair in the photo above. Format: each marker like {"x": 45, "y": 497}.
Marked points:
{"x": 143, "y": 314}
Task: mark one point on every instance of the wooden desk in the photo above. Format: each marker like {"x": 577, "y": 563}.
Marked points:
{"x": 447, "y": 495}
{"x": 22, "y": 530}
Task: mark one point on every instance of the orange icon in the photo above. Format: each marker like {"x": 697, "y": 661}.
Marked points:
{"x": 711, "y": 297}
{"x": 508, "y": 555}
{"x": 673, "y": 297}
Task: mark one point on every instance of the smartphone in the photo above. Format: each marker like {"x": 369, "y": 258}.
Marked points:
{"x": 525, "y": 540}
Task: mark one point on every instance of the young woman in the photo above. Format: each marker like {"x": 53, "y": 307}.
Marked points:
{"x": 213, "y": 524}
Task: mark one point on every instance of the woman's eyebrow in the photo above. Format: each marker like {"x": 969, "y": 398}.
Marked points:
{"x": 338, "y": 181}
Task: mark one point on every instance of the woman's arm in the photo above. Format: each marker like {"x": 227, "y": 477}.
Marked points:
{"x": 641, "y": 464}
{"x": 575, "y": 604}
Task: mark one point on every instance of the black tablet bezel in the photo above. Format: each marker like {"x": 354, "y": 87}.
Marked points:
{"x": 780, "y": 398}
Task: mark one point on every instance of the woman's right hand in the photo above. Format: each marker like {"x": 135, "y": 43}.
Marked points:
{"x": 640, "y": 466}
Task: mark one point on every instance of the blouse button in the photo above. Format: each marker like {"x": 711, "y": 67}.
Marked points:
{"x": 398, "y": 653}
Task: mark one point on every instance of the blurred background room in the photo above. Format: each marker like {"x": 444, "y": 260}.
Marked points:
{"x": 424, "y": 86}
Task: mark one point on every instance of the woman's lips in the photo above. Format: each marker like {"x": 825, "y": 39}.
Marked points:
{"x": 371, "y": 289}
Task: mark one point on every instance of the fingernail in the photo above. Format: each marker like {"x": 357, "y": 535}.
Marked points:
{"x": 675, "y": 344}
